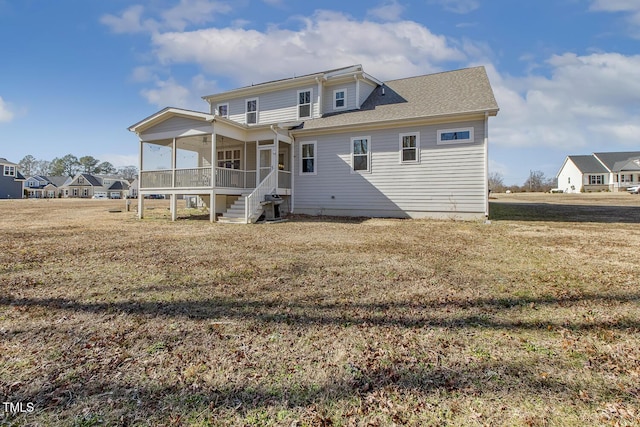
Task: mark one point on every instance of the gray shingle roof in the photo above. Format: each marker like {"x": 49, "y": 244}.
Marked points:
{"x": 448, "y": 93}
{"x": 588, "y": 164}
{"x": 616, "y": 161}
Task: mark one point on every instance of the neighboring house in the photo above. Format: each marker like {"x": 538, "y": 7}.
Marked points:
{"x": 86, "y": 185}
{"x": 43, "y": 187}
{"x": 10, "y": 180}
{"x": 614, "y": 171}
{"x": 133, "y": 188}
{"x": 338, "y": 142}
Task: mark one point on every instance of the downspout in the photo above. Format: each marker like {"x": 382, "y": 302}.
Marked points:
{"x": 274, "y": 157}
{"x": 320, "y": 98}
{"x": 486, "y": 165}
{"x": 293, "y": 163}
{"x": 355, "y": 76}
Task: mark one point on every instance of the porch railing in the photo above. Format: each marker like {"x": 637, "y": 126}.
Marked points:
{"x": 267, "y": 186}
{"x": 235, "y": 178}
{"x": 284, "y": 179}
{"x": 156, "y": 179}
{"x": 196, "y": 177}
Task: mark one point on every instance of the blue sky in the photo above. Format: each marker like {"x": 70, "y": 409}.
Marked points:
{"x": 74, "y": 74}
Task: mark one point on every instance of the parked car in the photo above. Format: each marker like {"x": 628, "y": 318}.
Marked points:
{"x": 634, "y": 189}
{"x": 99, "y": 196}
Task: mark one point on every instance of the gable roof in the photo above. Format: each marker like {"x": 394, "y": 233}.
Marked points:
{"x": 118, "y": 185}
{"x": 256, "y": 89}
{"x": 443, "y": 94}
{"x": 7, "y": 162}
{"x": 166, "y": 113}
{"x": 588, "y": 164}
{"x": 616, "y": 161}
{"x": 58, "y": 181}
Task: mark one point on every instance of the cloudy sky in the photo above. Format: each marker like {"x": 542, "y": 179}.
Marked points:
{"x": 74, "y": 74}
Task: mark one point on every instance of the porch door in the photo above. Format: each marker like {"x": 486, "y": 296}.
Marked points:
{"x": 265, "y": 162}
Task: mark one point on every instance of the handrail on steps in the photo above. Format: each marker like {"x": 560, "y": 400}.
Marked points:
{"x": 266, "y": 186}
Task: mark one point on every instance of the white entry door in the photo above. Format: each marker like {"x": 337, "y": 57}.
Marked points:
{"x": 265, "y": 162}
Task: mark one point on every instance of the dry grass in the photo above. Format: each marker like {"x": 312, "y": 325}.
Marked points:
{"x": 107, "y": 320}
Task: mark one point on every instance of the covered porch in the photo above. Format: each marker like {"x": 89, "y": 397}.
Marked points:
{"x": 211, "y": 158}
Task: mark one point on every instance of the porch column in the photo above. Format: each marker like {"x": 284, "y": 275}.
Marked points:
{"x": 140, "y": 198}
{"x": 214, "y": 154}
{"x": 174, "y": 152}
{"x": 174, "y": 207}
{"x": 276, "y": 155}
{"x": 212, "y": 207}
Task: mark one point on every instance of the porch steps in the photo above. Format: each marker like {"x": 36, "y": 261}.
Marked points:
{"x": 235, "y": 213}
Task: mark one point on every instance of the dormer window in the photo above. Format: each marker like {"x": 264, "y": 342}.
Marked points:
{"x": 339, "y": 99}
{"x": 252, "y": 111}
{"x": 304, "y": 104}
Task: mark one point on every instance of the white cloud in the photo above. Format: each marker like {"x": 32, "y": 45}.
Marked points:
{"x": 186, "y": 13}
{"x": 328, "y": 38}
{"x": 631, "y": 7}
{"x": 130, "y": 21}
{"x": 170, "y": 93}
{"x": 195, "y": 12}
{"x": 390, "y": 10}
{"x": 167, "y": 93}
{"x": 458, "y": 6}
{"x": 6, "y": 114}
{"x": 588, "y": 102}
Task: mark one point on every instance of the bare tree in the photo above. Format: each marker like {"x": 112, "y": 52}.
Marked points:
{"x": 28, "y": 165}
{"x": 496, "y": 182}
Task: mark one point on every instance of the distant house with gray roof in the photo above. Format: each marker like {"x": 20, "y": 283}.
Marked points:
{"x": 609, "y": 171}
{"x": 44, "y": 187}
{"x": 86, "y": 185}
{"x": 336, "y": 142}
{"x": 10, "y": 180}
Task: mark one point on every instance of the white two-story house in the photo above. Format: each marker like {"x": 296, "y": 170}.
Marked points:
{"x": 338, "y": 142}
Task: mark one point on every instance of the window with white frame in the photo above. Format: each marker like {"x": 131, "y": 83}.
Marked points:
{"x": 361, "y": 154}
{"x": 339, "y": 99}
{"x": 304, "y": 103}
{"x": 410, "y": 147}
{"x": 223, "y": 110}
{"x": 308, "y": 158}
{"x": 229, "y": 159}
{"x": 455, "y": 136}
{"x": 9, "y": 170}
{"x": 596, "y": 179}
{"x": 252, "y": 111}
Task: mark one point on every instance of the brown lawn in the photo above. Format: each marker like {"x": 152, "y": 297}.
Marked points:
{"x": 533, "y": 320}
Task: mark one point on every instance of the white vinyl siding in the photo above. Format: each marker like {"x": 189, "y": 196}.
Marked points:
{"x": 274, "y": 107}
{"x": 570, "y": 178}
{"x": 448, "y": 181}
{"x": 174, "y": 126}
{"x": 329, "y": 97}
